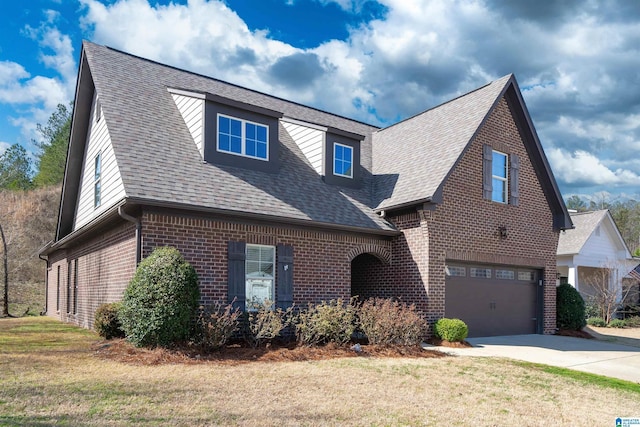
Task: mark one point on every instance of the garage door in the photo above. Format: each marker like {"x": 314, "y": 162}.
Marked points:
{"x": 493, "y": 300}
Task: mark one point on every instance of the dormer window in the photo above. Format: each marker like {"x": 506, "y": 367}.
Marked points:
{"x": 242, "y": 137}
{"x": 342, "y": 160}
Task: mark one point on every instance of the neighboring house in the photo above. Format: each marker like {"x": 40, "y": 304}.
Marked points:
{"x": 455, "y": 209}
{"x": 593, "y": 257}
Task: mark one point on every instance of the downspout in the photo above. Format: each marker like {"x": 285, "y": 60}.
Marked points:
{"x": 46, "y": 286}
{"x": 138, "y": 224}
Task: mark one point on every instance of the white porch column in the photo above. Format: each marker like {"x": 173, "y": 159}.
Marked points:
{"x": 572, "y": 277}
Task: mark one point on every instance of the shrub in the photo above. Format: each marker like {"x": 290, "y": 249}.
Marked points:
{"x": 570, "y": 308}
{"x": 333, "y": 321}
{"x": 591, "y": 309}
{"x": 216, "y": 325}
{"x": 107, "y": 321}
{"x": 596, "y": 321}
{"x": 617, "y": 323}
{"x": 264, "y": 323}
{"x": 452, "y": 330}
{"x": 385, "y": 321}
{"x": 160, "y": 302}
{"x": 633, "y": 322}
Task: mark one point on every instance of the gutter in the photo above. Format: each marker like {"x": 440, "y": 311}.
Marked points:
{"x": 138, "y": 224}
{"x": 46, "y": 282}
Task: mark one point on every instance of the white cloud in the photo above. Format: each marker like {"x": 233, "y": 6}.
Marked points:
{"x": 34, "y": 98}
{"x": 584, "y": 169}
{"x": 3, "y": 147}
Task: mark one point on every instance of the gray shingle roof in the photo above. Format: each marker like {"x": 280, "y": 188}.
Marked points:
{"x": 426, "y": 147}
{"x": 571, "y": 241}
{"x": 159, "y": 161}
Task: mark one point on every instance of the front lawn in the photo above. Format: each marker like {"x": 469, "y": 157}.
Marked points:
{"x": 51, "y": 373}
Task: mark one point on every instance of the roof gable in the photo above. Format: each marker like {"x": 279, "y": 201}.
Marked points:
{"x": 427, "y": 147}
{"x": 592, "y": 231}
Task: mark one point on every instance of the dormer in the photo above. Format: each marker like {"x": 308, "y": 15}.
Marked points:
{"x": 230, "y": 132}
{"x": 333, "y": 153}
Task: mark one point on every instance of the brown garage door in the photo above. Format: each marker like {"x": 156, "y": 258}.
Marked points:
{"x": 493, "y": 300}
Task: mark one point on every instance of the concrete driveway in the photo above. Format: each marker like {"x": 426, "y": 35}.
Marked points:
{"x": 596, "y": 357}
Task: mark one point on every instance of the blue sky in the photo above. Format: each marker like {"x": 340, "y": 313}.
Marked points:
{"x": 576, "y": 62}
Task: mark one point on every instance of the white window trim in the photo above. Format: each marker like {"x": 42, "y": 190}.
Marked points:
{"x": 272, "y": 278}
{"x": 97, "y": 180}
{"x": 334, "y": 160}
{"x": 243, "y": 137}
{"x": 504, "y": 179}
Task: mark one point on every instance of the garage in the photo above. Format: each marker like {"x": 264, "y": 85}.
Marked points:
{"x": 494, "y": 300}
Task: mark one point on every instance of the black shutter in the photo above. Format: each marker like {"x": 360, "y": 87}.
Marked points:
{"x": 236, "y": 274}
{"x": 515, "y": 177}
{"x": 487, "y": 172}
{"x": 284, "y": 276}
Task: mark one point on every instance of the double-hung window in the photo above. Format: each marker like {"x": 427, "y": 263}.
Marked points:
{"x": 243, "y": 138}
{"x": 260, "y": 275}
{"x": 499, "y": 177}
{"x": 342, "y": 160}
{"x": 97, "y": 190}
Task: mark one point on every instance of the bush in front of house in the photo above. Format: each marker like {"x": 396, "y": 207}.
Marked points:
{"x": 385, "y": 321}
{"x": 333, "y": 321}
{"x": 216, "y": 325}
{"x": 570, "y": 308}
{"x": 596, "y": 321}
{"x": 161, "y": 300}
{"x": 633, "y": 321}
{"x": 617, "y": 323}
{"x": 263, "y": 323}
{"x": 107, "y": 321}
{"x": 452, "y": 330}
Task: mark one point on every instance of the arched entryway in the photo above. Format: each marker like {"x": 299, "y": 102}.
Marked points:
{"x": 370, "y": 277}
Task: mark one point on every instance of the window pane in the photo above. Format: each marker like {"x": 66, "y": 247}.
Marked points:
{"x": 98, "y": 166}
{"x": 499, "y": 193}
{"x": 251, "y": 148}
{"x": 262, "y": 134}
{"x": 262, "y": 150}
{"x": 499, "y": 165}
{"x": 342, "y": 160}
{"x": 223, "y": 125}
{"x": 236, "y": 128}
{"x": 223, "y": 142}
{"x": 236, "y": 144}
{"x": 505, "y": 274}
{"x": 266, "y": 254}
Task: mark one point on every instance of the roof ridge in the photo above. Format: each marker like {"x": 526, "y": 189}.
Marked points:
{"x": 85, "y": 42}
{"x": 448, "y": 101}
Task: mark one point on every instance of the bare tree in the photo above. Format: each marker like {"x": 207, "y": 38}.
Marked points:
{"x": 604, "y": 288}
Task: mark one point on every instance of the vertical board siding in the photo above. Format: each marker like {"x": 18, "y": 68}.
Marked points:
{"x": 310, "y": 142}
{"x": 192, "y": 111}
{"x": 112, "y": 189}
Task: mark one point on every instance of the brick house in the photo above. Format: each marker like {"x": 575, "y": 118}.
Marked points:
{"x": 454, "y": 209}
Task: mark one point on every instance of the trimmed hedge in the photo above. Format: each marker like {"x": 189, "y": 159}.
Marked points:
{"x": 160, "y": 302}
{"x": 570, "y": 308}
{"x": 452, "y": 330}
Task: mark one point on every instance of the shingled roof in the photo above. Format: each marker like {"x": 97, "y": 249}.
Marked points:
{"x": 426, "y": 146}
{"x": 572, "y": 241}
{"x": 160, "y": 165}
{"x": 159, "y": 162}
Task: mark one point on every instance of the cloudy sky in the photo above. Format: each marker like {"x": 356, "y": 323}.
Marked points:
{"x": 577, "y": 63}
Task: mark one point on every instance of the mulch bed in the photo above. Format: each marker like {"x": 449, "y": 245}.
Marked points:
{"x": 444, "y": 343}
{"x": 122, "y": 351}
{"x": 575, "y": 334}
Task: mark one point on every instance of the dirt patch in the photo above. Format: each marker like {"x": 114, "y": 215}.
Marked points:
{"x": 122, "y": 351}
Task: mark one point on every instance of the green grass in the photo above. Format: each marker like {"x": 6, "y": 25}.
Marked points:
{"x": 585, "y": 377}
{"x": 51, "y": 374}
